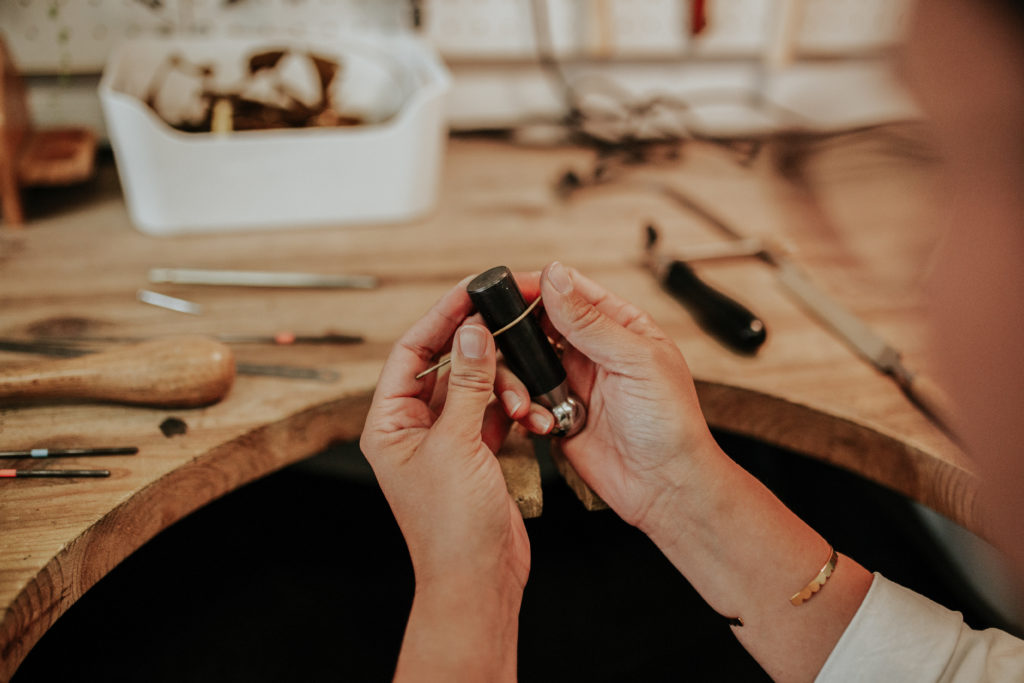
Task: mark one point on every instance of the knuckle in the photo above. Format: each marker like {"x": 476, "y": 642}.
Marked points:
{"x": 583, "y": 316}
{"x": 471, "y": 379}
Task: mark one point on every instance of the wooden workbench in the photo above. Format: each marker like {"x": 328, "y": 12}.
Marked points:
{"x": 75, "y": 270}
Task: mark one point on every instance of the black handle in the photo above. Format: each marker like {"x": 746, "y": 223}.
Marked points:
{"x": 527, "y": 350}
{"x": 719, "y": 315}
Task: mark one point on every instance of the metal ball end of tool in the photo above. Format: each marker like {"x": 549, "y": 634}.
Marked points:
{"x": 570, "y": 413}
{"x": 526, "y": 348}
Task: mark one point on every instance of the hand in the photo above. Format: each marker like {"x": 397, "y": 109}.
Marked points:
{"x": 647, "y": 450}
{"x": 431, "y": 443}
{"x": 645, "y": 436}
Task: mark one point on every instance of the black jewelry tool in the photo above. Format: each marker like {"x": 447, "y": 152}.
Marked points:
{"x": 52, "y": 474}
{"x": 526, "y": 348}
{"x": 721, "y": 316}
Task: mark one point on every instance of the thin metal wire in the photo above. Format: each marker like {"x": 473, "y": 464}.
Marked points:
{"x": 519, "y": 319}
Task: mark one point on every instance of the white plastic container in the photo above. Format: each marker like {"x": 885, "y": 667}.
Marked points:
{"x": 386, "y": 170}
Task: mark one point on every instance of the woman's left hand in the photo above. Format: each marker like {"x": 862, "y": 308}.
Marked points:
{"x": 431, "y": 443}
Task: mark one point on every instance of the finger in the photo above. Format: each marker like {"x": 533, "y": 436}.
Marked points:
{"x": 604, "y": 340}
{"x": 512, "y": 393}
{"x": 470, "y": 382}
{"x": 439, "y": 392}
{"x": 581, "y": 373}
{"x": 438, "y": 389}
{"x": 418, "y": 348}
{"x": 538, "y": 420}
{"x": 621, "y": 311}
{"x": 495, "y": 427}
{"x": 529, "y": 284}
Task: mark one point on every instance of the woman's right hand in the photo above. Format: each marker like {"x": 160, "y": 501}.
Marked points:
{"x": 645, "y": 437}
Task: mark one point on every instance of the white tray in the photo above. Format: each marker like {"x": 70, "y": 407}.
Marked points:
{"x": 386, "y": 170}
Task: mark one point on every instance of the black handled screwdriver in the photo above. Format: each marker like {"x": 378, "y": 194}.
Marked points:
{"x": 718, "y": 314}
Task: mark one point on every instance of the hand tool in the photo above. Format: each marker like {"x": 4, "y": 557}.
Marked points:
{"x": 52, "y": 474}
{"x": 257, "y": 278}
{"x": 289, "y": 338}
{"x": 171, "y": 303}
{"x": 259, "y": 369}
{"x": 289, "y": 372}
{"x": 282, "y": 338}
{"x": 173, "y": 372}
{"x": 720, "y": 250}
{"x": 526, "y": 348}
{"x": 923, "y": 393}
{"x": 510, "y": 325}
{"x": 721, "y": 316}
{"x": 68, "y": 452}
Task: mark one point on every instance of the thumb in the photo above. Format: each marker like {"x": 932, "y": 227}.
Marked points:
{"x": 470, "y": 382}
{"x": 601, "y": 339}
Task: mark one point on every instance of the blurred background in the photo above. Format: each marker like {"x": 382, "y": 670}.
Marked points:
{"x": 739, "y": 66}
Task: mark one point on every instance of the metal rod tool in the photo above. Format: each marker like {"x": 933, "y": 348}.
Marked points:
{"x": 67, "y": 452}
{"x": 259, "y": 278}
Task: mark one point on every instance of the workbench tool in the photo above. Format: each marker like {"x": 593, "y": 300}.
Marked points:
{"x": 171, "y": 303}
{"x": 290, "y": 338}
{"x": 259, "y": 278}
{"x": 526, "y": 348}
{"x": 68, "y": 452}
{"x": 288, "y": 372}
{"x": 721, "y": 316}
{"x": 52, "y": 474}
{"x": 922, "y": 392}
{"x": 258, "y": 369}
{"x": 444, "y": 363}
{"x": 282, "y": 338}
{"x": 178, "y": 372}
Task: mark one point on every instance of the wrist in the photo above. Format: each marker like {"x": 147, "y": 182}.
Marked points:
{"x": 461, "y": 629}
{"x": 499, "y": 588}
{"x": 687, "y": 492}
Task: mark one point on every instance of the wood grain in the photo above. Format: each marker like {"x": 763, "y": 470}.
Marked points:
{"x": 177, "y": 372}
{"x": 519, "y": 466}
{"x": 75, "y": 272}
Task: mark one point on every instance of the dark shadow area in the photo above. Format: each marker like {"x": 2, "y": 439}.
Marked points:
{"x": 43, "y": 202}
{"x": 304, "y": 576}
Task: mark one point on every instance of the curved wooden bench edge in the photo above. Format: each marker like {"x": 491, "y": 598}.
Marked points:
{"x": 855, "y": 446}
{"x": 838, "y": 440}
{"x": 150, "y": 510}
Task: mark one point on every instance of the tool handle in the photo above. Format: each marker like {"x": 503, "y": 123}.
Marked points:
{"x": 721, "y": 316}
{"x": 526, "y": 348}
{"x": 176, "y": 372}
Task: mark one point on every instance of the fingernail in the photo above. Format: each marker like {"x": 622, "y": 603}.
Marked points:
{"x": 511, "y": 401}
{"x": 559, "y": 278}
{"x": 472, "y": 341}
{"x": 541, "y": 422}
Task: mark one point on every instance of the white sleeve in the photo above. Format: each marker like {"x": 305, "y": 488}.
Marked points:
{"x": 899, "y": 635}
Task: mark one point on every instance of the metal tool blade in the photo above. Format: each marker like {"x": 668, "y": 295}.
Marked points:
{"x": 842, "y": 322}
{"x": 254, "y": 278}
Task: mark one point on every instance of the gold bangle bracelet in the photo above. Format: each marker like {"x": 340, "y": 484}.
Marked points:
{"x": 805, "y": 593}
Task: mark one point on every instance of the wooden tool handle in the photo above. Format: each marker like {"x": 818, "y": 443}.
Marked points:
{"x": 177, "y": 372}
